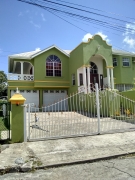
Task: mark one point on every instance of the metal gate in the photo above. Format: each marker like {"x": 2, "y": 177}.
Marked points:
{"x": 97, "y": 112}
{"x": 5, "y": 108}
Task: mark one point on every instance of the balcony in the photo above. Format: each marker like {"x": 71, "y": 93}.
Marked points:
{"x": 21, "y": 77}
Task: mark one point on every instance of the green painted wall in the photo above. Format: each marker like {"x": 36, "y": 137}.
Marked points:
{"x": 129, "y": 94}
{"x": 91, "y": 48}
{"x": 17, "y": 133}
{"x": 81, "y": 56}
{"x": 40, "y": 67}
{"x": 75, "y": 62}
{"x": 124, "y": 75}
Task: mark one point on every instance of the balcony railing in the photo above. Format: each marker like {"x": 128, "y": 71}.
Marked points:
{"x": 21, "y": 77}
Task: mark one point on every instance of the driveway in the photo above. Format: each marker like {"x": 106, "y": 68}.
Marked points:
{"x": 68, "y": 124}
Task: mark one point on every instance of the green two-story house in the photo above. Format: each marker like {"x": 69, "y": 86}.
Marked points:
{"x": 46, "y": 76}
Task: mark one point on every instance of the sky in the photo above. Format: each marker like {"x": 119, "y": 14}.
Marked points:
{"x": 24, "y": 27}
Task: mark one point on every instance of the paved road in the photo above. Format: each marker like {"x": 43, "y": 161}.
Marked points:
{"x": 116, "y": 169}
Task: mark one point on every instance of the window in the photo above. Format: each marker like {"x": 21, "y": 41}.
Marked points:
{"x": 45, "y": 91}
{"x": 124, "y": 87}
{"x": 51, "y": 91}
{"x": 114, "y": 62}
{"x": 81, "y": 79}
{"x": 53, "y": 66}
{"x": 93, "y": 68}
{"x": 125, "y": 62}
{"x": 73, "y": 79}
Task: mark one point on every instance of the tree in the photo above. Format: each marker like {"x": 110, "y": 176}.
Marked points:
{"x": 3, "y": 84}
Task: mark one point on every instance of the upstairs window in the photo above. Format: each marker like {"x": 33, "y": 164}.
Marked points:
{"x": 126, "y": 62}
{"x": 73, "y": 79}
{"x": 115, "y": 62}
{"x": 53, "y": 66}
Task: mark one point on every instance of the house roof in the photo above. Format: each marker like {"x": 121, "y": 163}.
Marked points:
{"x": 32, "y": 54}
{"x": 121, "y": 52}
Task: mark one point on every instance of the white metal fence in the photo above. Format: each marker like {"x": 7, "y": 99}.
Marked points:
{"x": 81, "y": 114}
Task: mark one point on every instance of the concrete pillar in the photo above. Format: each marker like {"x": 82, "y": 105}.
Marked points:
{"x": 88, "y": 78}
{"x": 18, "y": 124}
{"x": 21, "y": 70}
{"x": 112, "y": 80}
{"x": 84, "y": 79}
{"x": 108, "y": 77}
{"x": 41, "y": 98}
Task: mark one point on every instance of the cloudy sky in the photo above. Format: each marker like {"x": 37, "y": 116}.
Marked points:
{"x": 24, "y": 27}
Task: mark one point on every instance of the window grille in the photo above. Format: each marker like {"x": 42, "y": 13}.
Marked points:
{"x": 115, "y": 62}
{"x": 53, "y": 66}
{"x": 125, "y": 62}
{"x": 73, "y": 79}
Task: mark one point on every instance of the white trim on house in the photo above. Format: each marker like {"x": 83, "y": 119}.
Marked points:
{"x": 33, "y": 54}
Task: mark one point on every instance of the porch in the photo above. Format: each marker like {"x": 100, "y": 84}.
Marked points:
{"x": 21, "y": 71}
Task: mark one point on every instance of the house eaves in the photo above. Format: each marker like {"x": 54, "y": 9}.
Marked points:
{"x": 33, "y": 54}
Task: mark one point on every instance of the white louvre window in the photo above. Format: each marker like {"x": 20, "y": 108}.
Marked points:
{"x": 124, "y": 87}
{"x": 73, "y": 79}
{"x": 120, "y": 87}
{"x": 128, "y": 86}
{"x": 125, "y": 62}
{"x": 115, "y": 62}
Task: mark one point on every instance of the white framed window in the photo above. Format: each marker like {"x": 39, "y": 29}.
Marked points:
{"x": 53, "y": 66}
{"x": 115, "y": 63}
{"x": 73, "y": 79}
{"x": 81, "y": 79}
{"x": 125, "y": 62}
{"x": 124, "y": 87}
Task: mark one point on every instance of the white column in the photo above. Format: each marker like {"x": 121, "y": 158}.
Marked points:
{"x": 108, "y": 77}
{"x": 88, "y": 78}
{"x": 84, "y": 80}
{"x": 112, "y": 80}
{"x": 21, "y": 70}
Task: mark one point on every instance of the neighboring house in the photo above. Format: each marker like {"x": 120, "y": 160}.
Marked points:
{"x": 46, "y": 76}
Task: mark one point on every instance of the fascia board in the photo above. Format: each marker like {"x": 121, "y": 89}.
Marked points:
{"x": 123, "y": 54}
{"x": 53, "y": 46}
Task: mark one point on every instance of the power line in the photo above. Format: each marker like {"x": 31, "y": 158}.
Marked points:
{"x": 113, "y": 26}
{"x": 97, "y": 9}
{"x": 49, "y": 9}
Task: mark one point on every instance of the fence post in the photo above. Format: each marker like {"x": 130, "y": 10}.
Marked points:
{"x": 25, "y": 125}
{"x": 98, "y": 107}
{"x": 17, "y": 132}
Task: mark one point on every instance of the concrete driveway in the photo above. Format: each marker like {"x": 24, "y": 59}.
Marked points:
{"x": 68, "y": 124}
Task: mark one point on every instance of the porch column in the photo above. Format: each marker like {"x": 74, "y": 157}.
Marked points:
{"x": 112, "y": 80}
{"x": 108, "y": 77}
{"x": 88, "y": 78}
{"x": 21, "y": 70}
{"x": 84, "y": 79}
